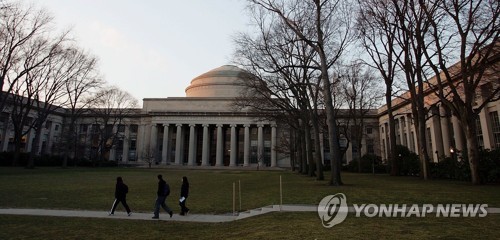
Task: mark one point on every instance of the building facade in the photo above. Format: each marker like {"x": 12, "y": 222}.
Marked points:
{"x": 204, "y": 129}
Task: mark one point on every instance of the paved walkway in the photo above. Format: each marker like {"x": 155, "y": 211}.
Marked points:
{"x": 176, "y": 217}
{"x": 163, "y": 216}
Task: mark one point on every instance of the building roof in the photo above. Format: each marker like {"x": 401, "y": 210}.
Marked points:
{"x": 224, "y": 81}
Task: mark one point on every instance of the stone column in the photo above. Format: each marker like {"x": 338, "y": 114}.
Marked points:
{"x": 50, "y": 141}
{"x": 6, "y": 132}
{"x": 408, "y": 132}
{"x": 438, "y": 135}
{"x": 260, "y": 143}
{"x": 445, "y": 130}
{"x": 112, "y": 151}
{"x": 164, "y": 152}
{"x": 126, "y": 140}
{"x": 484, "y": 118}
{"x": 273, "y": 145}
{"x": 458, "y": 133}
{"x": 178, "y": 144}
{"x": 29, "y": 136}
{"x": 220, "y": 147}
{"x": 5, "y": 140}
{"x": 192, "y": 141}
{"x": 401, "y": 132}
{"x": 141, "y": 135}
{"x": 205, "y": 147}
{"x": 232, "y": 159}
{"x": 152, "y": 141}
{"x": 246, "y": 146}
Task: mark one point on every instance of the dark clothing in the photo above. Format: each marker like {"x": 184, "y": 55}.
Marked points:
{"x": 162, "y": 193}
{"x": 116, "y": 202}
{"x": 184, "y": 196}
{"x": 121, "y": 191}
{"x": 160, "y": 201}
{"x": 163, "y": 189}
{"x": 185, "y": 189}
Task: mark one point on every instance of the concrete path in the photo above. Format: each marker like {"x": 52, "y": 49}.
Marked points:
{"x": 176, "y": 217}
{"x": 163, "y": 216}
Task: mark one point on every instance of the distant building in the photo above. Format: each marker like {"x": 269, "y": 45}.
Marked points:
{"x": 444, "y": 135}
{"x": 203, "y": 129}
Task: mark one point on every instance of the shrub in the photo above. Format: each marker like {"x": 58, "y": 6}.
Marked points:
{"x": 369, "y": 164}
{"x": 408, "y": 162}
{"x": 450, "y": 168}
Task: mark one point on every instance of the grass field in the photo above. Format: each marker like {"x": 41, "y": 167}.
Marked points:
{"x": 211, "y": 192}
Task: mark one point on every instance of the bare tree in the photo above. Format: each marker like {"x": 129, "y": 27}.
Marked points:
{"x": 362, "y": 94}
{"x": 412, "y": 27}
{"x": 324, "y": 26}
{"x": 378, "y": 35}
{"x": 148, "y": 155}
{"x": 49, "y": 95}
{"x": 467, "y": 32}
{"x": 281, "y": 64}
{"x": 28, "y": 51}
{"x": 83, "y": 81}
{"x": 109, "y": 111}
{"x": 24, "y": 44}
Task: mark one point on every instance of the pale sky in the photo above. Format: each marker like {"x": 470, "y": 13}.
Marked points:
{"x": 153, "y": 48}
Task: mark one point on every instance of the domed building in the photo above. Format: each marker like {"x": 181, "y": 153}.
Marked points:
{"x": 203, "y": 128}
{"x": 225, "y": 81}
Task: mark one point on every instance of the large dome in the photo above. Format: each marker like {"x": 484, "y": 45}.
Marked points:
{"x": 225, "y": 81}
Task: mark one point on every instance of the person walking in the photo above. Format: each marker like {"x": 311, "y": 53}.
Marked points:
{"x": 162, "y": 194}
{"x": 184, "y": 196}
{"x": 121, "y": 191}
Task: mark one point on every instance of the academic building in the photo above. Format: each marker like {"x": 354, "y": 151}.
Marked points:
{"x": 204, "y": 129}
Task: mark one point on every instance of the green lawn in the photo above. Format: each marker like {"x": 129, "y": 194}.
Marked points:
{"x": 211, "y": 192}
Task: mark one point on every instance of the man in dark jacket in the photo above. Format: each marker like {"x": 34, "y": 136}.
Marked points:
{"x": 162, "y": 193}
{"x": 121, "y": 191}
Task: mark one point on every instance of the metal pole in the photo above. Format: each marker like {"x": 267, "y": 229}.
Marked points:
{"x": 239, "y": 190}
{"x": 281, "y": 193}
{"x": 234, "y": 198}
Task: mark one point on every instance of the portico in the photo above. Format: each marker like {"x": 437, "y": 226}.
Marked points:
{"x": 214, "y": 144}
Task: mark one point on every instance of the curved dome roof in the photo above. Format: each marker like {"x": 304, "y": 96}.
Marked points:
{"x": 224, "y": 81}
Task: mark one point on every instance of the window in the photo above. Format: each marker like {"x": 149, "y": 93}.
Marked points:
{"x": 121, "y": 128}
{"x": 133, "y": 128}
{"x": 95, "y": 128}
{"x": 48, "y": 124}
{"x": 495, "y": 127}
{"x": 4, "y": 117}
{"x": 369, "y": 130}
{"x": 370, "y": 146}
{"x": 479, "y": 131}
{"x": 57, "y": 127}
{"x": 83, "y": 128}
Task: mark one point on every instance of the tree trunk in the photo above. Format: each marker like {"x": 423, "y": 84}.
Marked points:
{"x": 69, "y": 144}
{"x": 392, "y": 134}
{"x": 310, "y": 160}
{"x": 333, "y": 140}
{"x": 17, "y": 148}
{"x": 317, "y": 149}
{"x": 292, "y": 147}
{"x": 35, "y": 147}
{"x": 472, "y": 148}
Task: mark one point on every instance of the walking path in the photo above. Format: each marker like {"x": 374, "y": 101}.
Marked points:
{"x": 163, "y": 216}
{"x": 176, "y": 217}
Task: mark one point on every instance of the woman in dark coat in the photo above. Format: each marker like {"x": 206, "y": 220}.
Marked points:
{"x": 121, "y": 191}
{"x": 184, "y": 196}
